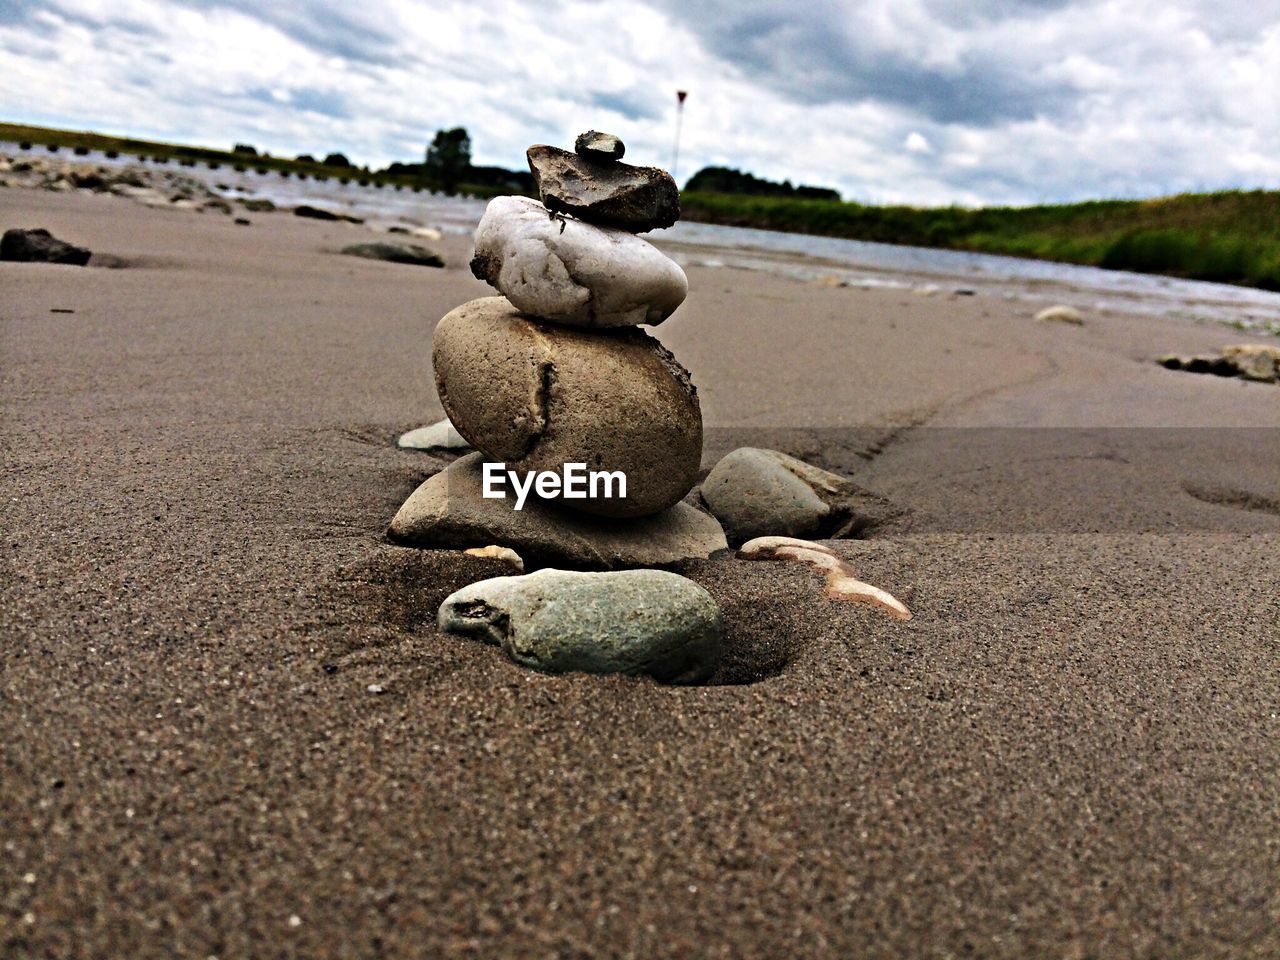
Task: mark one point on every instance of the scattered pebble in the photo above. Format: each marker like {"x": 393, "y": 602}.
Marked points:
{"x": 494, "y": 552}
{"x": 841, "y": 582}
{"x": 1250, "y": 361}
{"x": 407, "y": 253}
{"x": 755, "y": 492}
{"x": 40, "y": 246}
{"x": 1061, "y": 314}
{"x": 441, "y": 435}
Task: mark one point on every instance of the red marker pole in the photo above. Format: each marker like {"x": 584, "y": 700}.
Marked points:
{"x": 675, "y": 153}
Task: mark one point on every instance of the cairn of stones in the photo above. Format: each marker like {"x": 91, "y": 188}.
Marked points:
{"x": 556, "y": 370}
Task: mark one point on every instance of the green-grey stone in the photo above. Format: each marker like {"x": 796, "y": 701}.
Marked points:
{"x": 557, "y": 621}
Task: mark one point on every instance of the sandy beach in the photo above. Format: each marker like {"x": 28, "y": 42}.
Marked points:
{"x": 1072, "y": 750}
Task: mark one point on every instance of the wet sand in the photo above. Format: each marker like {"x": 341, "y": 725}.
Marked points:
{"x": 1071, "y": 751}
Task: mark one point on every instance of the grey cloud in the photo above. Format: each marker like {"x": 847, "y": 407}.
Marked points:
{"x": 15, "y": 13}
{"x": 633, "y": 105}
{"x": 326, "y": 26}
{"x": 826, "y": 52}
{"x": 324, "y": 102}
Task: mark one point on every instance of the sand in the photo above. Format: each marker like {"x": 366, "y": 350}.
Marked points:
{"x": 1073, "y": 750}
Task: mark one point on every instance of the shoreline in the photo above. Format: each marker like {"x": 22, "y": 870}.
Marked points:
{"x": 1248, "y": 308}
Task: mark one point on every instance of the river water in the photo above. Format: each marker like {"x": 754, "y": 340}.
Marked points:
{"x": 854, "y": 262}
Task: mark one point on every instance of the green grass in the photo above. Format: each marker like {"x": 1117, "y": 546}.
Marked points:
{"x": 49, "y": 140}
{"x": 1229, "y": 237}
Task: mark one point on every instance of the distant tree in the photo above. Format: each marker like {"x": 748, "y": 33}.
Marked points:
{"x": 336, "y": 160}
{"x": 448, "y": 157}
{"x": 245, "y": 149}
{"x": 305, "y": 158}
{"x": 725, "y": 180}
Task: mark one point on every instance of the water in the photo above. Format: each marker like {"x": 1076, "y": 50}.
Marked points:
{"x": 855, "y": 262}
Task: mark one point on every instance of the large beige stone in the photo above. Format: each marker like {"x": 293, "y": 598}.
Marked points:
{"x": 537, "y": 396}
{"x": 574, "y": 272}
{"x": 449, "y": 511}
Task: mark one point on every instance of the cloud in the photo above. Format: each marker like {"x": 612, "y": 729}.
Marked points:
{"x": 918, "y": 101}
{"x": 916, "y": 143}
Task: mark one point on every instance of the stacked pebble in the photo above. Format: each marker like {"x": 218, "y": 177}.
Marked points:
{"x": 556, "y": 370}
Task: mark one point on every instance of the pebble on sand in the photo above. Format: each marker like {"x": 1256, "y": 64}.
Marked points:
{"x": 1061, "y": 313}
{"x": 441, "y": 435}
{"x": 40, "y": 246}
{"x": 842, "y": 584}
{"x": 756, "y": 492}
{"x": 408, "y": 253}
{"x": 632, "y": 622}
{"x": 1250, "y": 361}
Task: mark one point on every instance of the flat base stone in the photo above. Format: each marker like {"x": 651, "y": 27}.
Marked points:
{"x": 449, "y": 511}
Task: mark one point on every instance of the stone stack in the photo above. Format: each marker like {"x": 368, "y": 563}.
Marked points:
{"x": 556, "y": 371}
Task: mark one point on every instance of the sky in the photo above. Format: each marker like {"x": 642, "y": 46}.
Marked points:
{"x": 888, "y": 101}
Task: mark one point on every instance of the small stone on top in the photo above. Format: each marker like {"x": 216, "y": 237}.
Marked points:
{"x": 595, "y": 145}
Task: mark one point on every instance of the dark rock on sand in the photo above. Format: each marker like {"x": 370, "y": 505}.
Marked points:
{"x": 449, "y": 511}
{"x": 538, "y": 396}
{"x": 1260, "y": 362}
{"x": 315, "y": 213}
{"x": 256, "y": 205}
{"x": 87, "y": 179}
{"x": 632, "y": 622}
{"x": 40, "y": 246}
{"x": 756, "y": 493}
{"x": 395, "y": 253}
{"x": 604, "y": 191}
{"x": 595, "y": 145}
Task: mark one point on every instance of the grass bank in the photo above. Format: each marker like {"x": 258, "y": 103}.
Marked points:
{"x": 76, "y": 142}
{"x": 1228, "y": 237}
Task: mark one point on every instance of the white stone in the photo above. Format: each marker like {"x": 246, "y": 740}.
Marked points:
{"x": 437, "y": 436}
{"x": 573, "y": 272}
{"x": 1061, "y": 314}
